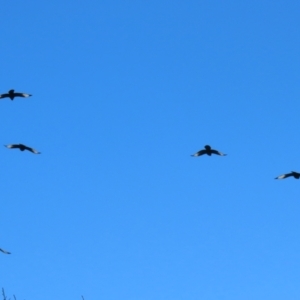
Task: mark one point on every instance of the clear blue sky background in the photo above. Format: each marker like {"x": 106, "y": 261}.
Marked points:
{"x": 123, "y": 93}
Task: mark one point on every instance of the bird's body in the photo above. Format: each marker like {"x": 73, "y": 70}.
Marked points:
{"x": 4, "y": 251}
{"x": 296, "y": 175}
{"x": 22, "y": 148}
{"x": 11, "y": 94}
{"x": 208, "y": 151}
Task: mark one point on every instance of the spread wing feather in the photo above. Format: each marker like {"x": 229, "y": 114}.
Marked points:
{"x": 201, "y": 152}
{"x": 22, "y": 95}
{"x": 12, "y": 146}
{"x": 4, "y": 96}
{"x": 32, "y": 150}
{"x": 218, "y": 152}
{"x": 283, "y": 176}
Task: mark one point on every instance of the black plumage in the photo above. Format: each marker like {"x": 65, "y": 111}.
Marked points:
{"x": 11, "y": 94}
{"x": 296, "y": 175}
{"x": 208, "y": 151}
{"x": 22, "y": 148}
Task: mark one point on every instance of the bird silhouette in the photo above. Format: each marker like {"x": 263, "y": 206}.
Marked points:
{"x": 208, "y": 151}
{"x": 296, "y": 175}
{"x": 4, "y": 251}
{"x": 22, "y": 148}
{"x": 11, "y": 94}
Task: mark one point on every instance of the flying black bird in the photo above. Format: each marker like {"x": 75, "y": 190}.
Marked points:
{"x": 296, "y": 175}
{"x": 208, "y": 151}
{"x": 11, "y": 94}
{"x": 4, "y": 251}
{"x": 22, "y": 148}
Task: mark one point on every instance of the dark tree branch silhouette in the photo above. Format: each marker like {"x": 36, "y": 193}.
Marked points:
{"x": 3, "y": 293}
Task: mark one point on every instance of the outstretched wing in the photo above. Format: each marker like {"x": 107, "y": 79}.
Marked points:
{"x": 296, "y": 173}
{"x": 4, "y": 96}
{"x": 22, "y": 95}
{"x": 4, "y": 251}
{"x": 12, "y": 146}
{"x": 32, "y": 150}
{"x": 284, "y": 176}
{"x": 201, "y": 152}
{"x": 218, "y": 152}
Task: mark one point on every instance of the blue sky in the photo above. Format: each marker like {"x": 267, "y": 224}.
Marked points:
{"x": 123, "y": 93}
